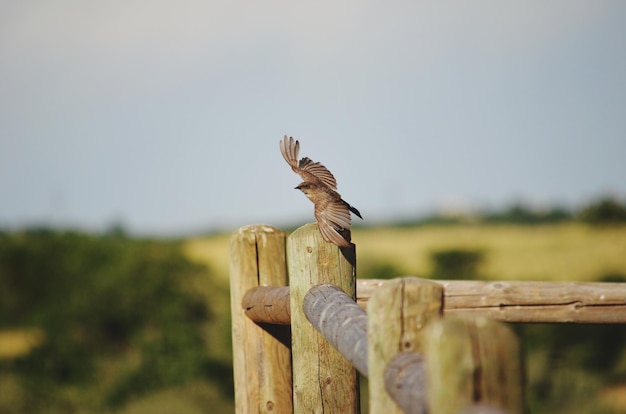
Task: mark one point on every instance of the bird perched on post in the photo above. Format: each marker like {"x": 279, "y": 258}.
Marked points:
{"x": 331, "y": 211}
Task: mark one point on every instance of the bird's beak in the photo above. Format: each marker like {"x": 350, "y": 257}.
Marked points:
{"x": 296, "y": 188}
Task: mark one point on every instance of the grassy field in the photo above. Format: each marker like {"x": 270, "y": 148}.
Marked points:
{"x": 562, "y": 252}
{"x": 573, "y": 252}
{"x": 212, "y": 251}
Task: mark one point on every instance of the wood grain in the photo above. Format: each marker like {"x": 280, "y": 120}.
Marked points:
{"x": 398, "y": 311}
{"x": 472, "y": 364}
{"x": 323, "y": 381}
{"x": 261, "y": 362}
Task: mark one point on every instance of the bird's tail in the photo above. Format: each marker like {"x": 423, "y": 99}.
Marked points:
{"x": 355, "y": 211}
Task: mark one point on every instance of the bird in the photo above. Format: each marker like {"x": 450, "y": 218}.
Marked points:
{"x": 331, "y": 212}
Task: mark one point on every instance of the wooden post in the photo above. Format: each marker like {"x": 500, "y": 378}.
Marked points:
{"x": 397, "y": 313}
{"x": 472, "y": 363}
{"x": 323, "y": 381}
{"x": 261, "y": 361}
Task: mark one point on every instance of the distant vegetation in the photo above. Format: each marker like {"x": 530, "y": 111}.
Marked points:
{"x": 607, "y": 210}
{"x": 110, "y": 323}
{"x": 456, "y": 264}
{"x": 116, "y": 318}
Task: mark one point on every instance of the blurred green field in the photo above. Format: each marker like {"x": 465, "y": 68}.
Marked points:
{"x": 560, "y": 252}
{"x": 211, "y": 251}
{"x": 106, "y": 323}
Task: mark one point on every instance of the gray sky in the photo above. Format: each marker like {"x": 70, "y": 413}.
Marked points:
{"x": 166, "y": 116}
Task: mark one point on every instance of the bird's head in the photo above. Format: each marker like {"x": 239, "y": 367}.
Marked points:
{"x": 305, "y": 187}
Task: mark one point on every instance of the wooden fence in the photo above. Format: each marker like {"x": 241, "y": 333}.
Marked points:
{"x": 303, "y": 328}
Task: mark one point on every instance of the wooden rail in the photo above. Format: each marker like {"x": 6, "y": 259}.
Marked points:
{"x": 341, "y": 321}
{"x": 548, "y": 302}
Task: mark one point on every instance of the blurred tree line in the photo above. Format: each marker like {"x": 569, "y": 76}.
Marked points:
{"x": 117, "y": 318}
{"x": 603, "y": 211}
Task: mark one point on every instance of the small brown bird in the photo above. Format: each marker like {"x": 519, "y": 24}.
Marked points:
{"x": 319, "y": 185}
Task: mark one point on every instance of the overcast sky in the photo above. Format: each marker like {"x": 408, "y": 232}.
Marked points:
{"x": 166, "y": 116}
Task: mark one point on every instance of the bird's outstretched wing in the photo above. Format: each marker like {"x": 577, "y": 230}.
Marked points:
{"x": 333, "y": 218}
{"x": 305, "y": 168}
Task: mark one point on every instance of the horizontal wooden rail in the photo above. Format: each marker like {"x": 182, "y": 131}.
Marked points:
{"x": 548, "y": 302}
{"x": 405, "y": 381}
{"x": 341, "y": 321}
{"x": 268, "y": 304}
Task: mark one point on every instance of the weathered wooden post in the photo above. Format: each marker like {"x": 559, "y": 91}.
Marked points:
{"x": 397, "y": 313}
{"x": 261, "y": 361}
{"x": 323, "y": 381}
{"x": 474, "y": 365}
